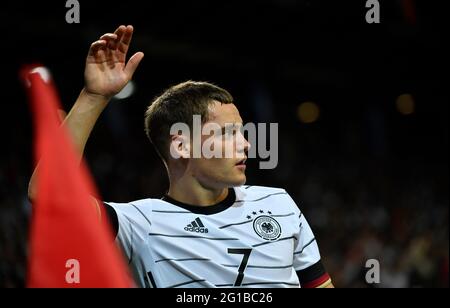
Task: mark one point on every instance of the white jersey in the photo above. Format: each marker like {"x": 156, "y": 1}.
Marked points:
{"x": 256, "y": 237}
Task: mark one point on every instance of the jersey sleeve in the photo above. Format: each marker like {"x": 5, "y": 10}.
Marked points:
{"x": 307, "y": 261}
{"x": 129, "y": 223}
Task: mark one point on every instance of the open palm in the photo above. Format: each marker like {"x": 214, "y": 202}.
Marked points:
{"x": 107, "y": 71}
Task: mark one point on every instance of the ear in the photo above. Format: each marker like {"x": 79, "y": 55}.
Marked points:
{"x": 180, "y": 147}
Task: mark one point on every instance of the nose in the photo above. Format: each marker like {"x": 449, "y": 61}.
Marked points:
{"x": 247, "y": 145}
{"x": 242, "y": 143}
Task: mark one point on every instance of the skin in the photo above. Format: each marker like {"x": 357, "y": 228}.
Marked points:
{"x": 198, "y": 181}
{"x": 194, "y": 181}
{"x": 106, "y": 74}
{"x": 205, "y": 181}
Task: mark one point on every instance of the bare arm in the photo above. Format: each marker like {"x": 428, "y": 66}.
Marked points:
{"x": 106, "y": 74}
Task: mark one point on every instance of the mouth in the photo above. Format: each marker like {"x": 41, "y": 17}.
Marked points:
{"x": 241, "y": 163}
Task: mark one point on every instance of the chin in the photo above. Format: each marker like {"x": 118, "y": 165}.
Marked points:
{"x": 238, "y": 181}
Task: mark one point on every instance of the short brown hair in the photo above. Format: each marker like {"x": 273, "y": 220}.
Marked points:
{"x": 179, "y": 104}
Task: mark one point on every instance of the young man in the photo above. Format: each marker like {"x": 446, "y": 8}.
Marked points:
{"x": 209, "y": 230}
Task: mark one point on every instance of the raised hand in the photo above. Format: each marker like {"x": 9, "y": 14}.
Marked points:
{"x": 107, "y": 71}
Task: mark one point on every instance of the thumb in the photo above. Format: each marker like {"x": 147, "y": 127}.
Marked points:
{"x": 133, "y": 63}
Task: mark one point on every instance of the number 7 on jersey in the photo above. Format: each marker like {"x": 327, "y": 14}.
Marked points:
{"x": 241, "y": 251}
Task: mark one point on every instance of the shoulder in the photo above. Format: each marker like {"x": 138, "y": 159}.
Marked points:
{"x": 249, "y": 193}
{"x": 260, "y": 191}
{"x": 134, "y": 209}
{"x": 132, "y": 204}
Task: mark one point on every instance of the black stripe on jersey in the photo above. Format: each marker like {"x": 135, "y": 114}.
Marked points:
{"x": 185, "y": 283}
{"x": 262, "y": 198}
{"x": 258, "y": 283}
{"x": 303, "y": 248}
{"x": 285, "y": 215}
{"x": 269, "y": 282}
{"x": 131, "y": 240}
{"x": 249, "y": 221}
{"x": 261, "y": 266}
{"x": 248, "y": 187}
{"x": 281, "y": 239}
{"x": 182, "y": 260}
{"x": 195, "y": 236}
{"x": 171, "y": 212}
{"x": 270, "y": 267}
{"x": 236, "y": 224}
{"x": 145, "y": 217}
{"x": 152, "y": 280}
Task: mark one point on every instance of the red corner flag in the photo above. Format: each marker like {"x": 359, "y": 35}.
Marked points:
{"x": 70, "y": 246}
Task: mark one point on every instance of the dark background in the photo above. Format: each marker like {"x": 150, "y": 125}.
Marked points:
{"x": 372, "y": 182}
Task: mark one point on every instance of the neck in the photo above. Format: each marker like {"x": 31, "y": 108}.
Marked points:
{"x": 187, "y": 189}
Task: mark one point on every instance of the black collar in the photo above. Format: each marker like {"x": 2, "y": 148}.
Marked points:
{"x": 205, "y": 210}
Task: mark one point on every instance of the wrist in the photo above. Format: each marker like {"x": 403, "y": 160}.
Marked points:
{"x": 94, "y": 97}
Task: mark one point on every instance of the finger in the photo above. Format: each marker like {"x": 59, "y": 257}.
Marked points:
{"x": 121, "y": 28}
{"x": 114, "y": 44}
{"x": 133, "y": 63}
{"x": 109, "y": 37}
{"x": 97, "y": 51}
{"x": 110, "y": 53}
{"x": 112, "y": 40}
{"x": 126, "y": 39}
{"x": 96, "y": 46}
{"x": 111, "y": 57}
{"x": 100, "y": 56}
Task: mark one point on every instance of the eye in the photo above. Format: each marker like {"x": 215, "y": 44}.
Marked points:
{"x": 229, "y": 133}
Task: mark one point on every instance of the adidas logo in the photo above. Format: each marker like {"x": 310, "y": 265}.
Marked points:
{"x": 196, "y": 226}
